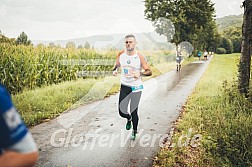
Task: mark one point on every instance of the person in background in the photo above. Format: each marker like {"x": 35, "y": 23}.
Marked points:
{"x": 199, "y": 54}
{"x": 178, "y": 60}
{"x": 17, "y": 146}
{"x": 205, "y": 55}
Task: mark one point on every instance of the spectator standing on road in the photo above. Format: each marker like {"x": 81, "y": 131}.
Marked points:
{"x": 17, "y": 147}
{"x": 132, "y": 63}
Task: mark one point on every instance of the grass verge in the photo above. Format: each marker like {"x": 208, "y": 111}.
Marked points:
{"x": 214, "y": 128}
{"x": 41, "y": 104}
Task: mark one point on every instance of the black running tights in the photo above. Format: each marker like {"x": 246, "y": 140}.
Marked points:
{"x": 126, "y": 96}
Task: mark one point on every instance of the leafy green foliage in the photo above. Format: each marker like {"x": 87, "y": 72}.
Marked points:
{"x": 193, "y": 20}
{"x": 227, "y": 44}
{"x": 234, "y": 134}
{"x": 221, "y": 51}
{"x": 231, "y": 27}
{"x": 235, "y": 35}
{"x": 70, "y": 45}
{"x": 4, "y": 39}
{"x": 221, "y": 115}
{"x": 87, "y": 45}
{"x": 22, "y": 39}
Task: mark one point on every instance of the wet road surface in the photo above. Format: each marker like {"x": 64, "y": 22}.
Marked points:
{"x": 95, "y": 135}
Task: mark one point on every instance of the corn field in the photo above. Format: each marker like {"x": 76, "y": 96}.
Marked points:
{"x": 28, "y": 67}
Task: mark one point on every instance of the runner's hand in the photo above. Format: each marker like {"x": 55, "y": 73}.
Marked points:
{"x": 136, "y": 75}
{"x": 115, "y": 72}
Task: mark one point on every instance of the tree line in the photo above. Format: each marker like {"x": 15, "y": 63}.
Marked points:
{"x": 194, "y": 22}
{"x": 23, "y": 39}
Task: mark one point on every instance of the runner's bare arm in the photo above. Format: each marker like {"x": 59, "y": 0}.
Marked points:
{"x": 12, "y": 158}
{"x": 145, "y": 66}
{"x": 117, "y": 64}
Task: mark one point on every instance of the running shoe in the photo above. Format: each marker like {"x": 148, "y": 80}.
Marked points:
{"x": 128, "y": 125}
{"x": 134, "y": 135}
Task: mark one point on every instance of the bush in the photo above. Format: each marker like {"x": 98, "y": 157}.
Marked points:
{"x": 237, "y": 45}
{"x": 221, "y": 51}
{"x": 233, "y": 128}
{"x": 227, "y": 44}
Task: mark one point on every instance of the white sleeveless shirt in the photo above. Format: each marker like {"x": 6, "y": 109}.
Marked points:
{"x": 129, "y": 66}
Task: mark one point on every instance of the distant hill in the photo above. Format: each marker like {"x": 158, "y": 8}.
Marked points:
{"x": 229, "y": 21}
{"x": 94, "y": 41}
{"x": 145, "y": 41}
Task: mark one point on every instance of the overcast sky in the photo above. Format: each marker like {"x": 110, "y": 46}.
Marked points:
{"x": 68, "y": 19}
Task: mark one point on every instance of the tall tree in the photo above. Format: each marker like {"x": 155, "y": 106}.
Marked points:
{"x": 246, "y": 50}
{"x": 87, "y": 45}
{"x": 40, "y": 45}
{"x": 80, "y": 47}
{"x": 4, "y": 39}
{"x": 190, "y": 18}
{"x": 22, "y": 39}
{"x": 52, "y": 45}
{"x": 235, "y": 35}
{"x": 227, "y": 44}
{"x": 70, "y": 45}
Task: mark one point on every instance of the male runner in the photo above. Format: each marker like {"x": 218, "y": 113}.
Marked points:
{"x": 132, "y": 63}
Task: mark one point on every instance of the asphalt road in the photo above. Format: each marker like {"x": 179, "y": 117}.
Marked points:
{"x": 95, "y": 135}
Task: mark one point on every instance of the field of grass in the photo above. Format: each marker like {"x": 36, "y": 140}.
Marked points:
{"x": 214, "y": 128}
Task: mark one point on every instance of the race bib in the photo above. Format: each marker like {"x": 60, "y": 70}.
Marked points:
{"x": 126, "y": 71}
{"x": 137, "y": 88}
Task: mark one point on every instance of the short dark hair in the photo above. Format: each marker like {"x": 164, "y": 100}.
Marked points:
{"x": 130, "y": 36}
